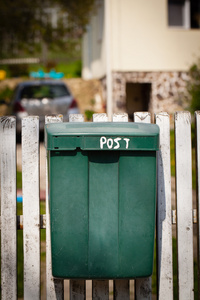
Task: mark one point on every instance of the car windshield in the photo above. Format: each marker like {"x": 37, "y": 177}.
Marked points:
{"x": 44, "y": 91}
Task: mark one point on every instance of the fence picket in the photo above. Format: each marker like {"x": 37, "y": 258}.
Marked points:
{"x": 54, "y": 287}
{"x": 184, "y": 205}
{"x": 164, "y": 219}
{"x": 77, "y": 287}
{"x": 197, "y": 120}
{"x": 31, "y": 207}
{"x": 100, "y": 288}
{"x": 31, "y": 218}
{"x": 8, "y": 209}
{"x": 121, "y": 287}
{"x": 143, "y": 287}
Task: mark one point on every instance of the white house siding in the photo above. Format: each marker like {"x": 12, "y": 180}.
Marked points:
{"x": 93, "y": 54}
{"x": 143, "y": 48}
{"x": 143, "y": 41}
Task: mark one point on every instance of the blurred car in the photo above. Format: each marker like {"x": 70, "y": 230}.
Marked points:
{"x": 40, "y": 98}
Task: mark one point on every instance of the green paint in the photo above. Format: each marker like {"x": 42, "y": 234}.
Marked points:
{"x": 102, "y": 202}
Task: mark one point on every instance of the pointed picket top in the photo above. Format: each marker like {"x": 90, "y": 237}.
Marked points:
{"x": 100, "y": 117}
{"x": 8, "y": 208}
{"x": 54, "y": 287}
{"x": 164, "y": 218}
{"x": 76, "y": 118}
{"x": 120, "y": 117}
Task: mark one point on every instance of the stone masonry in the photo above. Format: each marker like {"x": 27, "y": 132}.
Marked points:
{"x": 168, "y": 90}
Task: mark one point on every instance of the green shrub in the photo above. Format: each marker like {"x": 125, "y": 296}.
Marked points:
{"x": 89, "y": 114}
{"x": 19, "y": 70}
{"x": 6, "y": 93}
{"x": 194, "y": 87}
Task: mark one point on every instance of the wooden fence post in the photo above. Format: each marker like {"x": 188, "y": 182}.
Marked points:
{"x": 143, "y": 289}
{"x": 184, "y": 205}
{"x": 100, "y": 288}
{"x": 31, "y": 207}
{"x": 164, "y": 218}
{"x": 121, "y": 287}
{"x": 54, "y": 287}
{"x": 197, "y": 121}
{"x": 8, "y": 209}
{"x": 77, "y": 287}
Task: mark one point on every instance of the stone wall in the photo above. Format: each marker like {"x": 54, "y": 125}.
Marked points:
{"x": 168, "y": 90}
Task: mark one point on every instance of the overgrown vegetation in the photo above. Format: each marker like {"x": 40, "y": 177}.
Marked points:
{"x": 71, "y": 69}
{"x": 6, "y": 93}
{"x": 34, "y": 27}
{"x": 193, "y": 87}
{"x": 89, "y": 114}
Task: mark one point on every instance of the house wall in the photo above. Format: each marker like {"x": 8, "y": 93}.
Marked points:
{"x": 93, "y": 53}
{"x": 143, "y": 48}
{"x": 142, "y": 40}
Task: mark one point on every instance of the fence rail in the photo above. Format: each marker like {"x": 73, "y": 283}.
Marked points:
{"x": 31, "y": 222}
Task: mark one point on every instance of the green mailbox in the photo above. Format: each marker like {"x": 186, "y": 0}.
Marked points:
{"x": 102, "y": 187}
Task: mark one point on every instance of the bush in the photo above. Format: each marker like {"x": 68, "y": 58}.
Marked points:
{"x": 89, "y": 114}
{"x": 18, "y": 70}
{"x": 6, "y": 93}
{"x": 194, "y": 87}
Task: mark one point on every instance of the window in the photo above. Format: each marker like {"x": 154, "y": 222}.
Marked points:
{"x": 44, "y": 91}
{"x": 184, "y": 13}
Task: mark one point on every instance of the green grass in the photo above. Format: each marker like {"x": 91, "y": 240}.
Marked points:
{"x": 19, "y": 180}
{"x": 70, "y": 70}
{"x": 172, "y": 152}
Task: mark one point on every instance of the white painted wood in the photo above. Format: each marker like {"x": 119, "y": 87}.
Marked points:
{"x": 164, "y": 216}
{"x": 142, "y": 117}
{"x": 8, "y": 209}
{"x": 31, "y": 207}
{"x": 77, "y": 287}
{"x": 76, "y": 118}
{"x": 120, "y": 117}
{"x": 143, "y": 289}
{"x": 197, "y": 121}
{"x": 100, "y": 117}
{"x": 121, "y": 287}
{"x": 54, "y": 287}
{"x": 100, "y": 288}
{"x": 184, "y": 204}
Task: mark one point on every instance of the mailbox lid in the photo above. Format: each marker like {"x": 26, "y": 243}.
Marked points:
{"x": 102, "y": 136}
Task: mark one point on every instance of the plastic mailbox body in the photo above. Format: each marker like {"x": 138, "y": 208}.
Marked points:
{"x": 102, "y": 187}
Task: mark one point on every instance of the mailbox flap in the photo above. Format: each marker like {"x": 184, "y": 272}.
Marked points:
{"x": 102, "y": 136}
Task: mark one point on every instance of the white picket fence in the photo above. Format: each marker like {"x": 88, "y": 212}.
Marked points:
{"x": 183, "y": 217}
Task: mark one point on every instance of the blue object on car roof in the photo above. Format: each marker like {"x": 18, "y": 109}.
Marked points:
{"x": 19, "y": 198}
{"x": 52, "y": 74}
